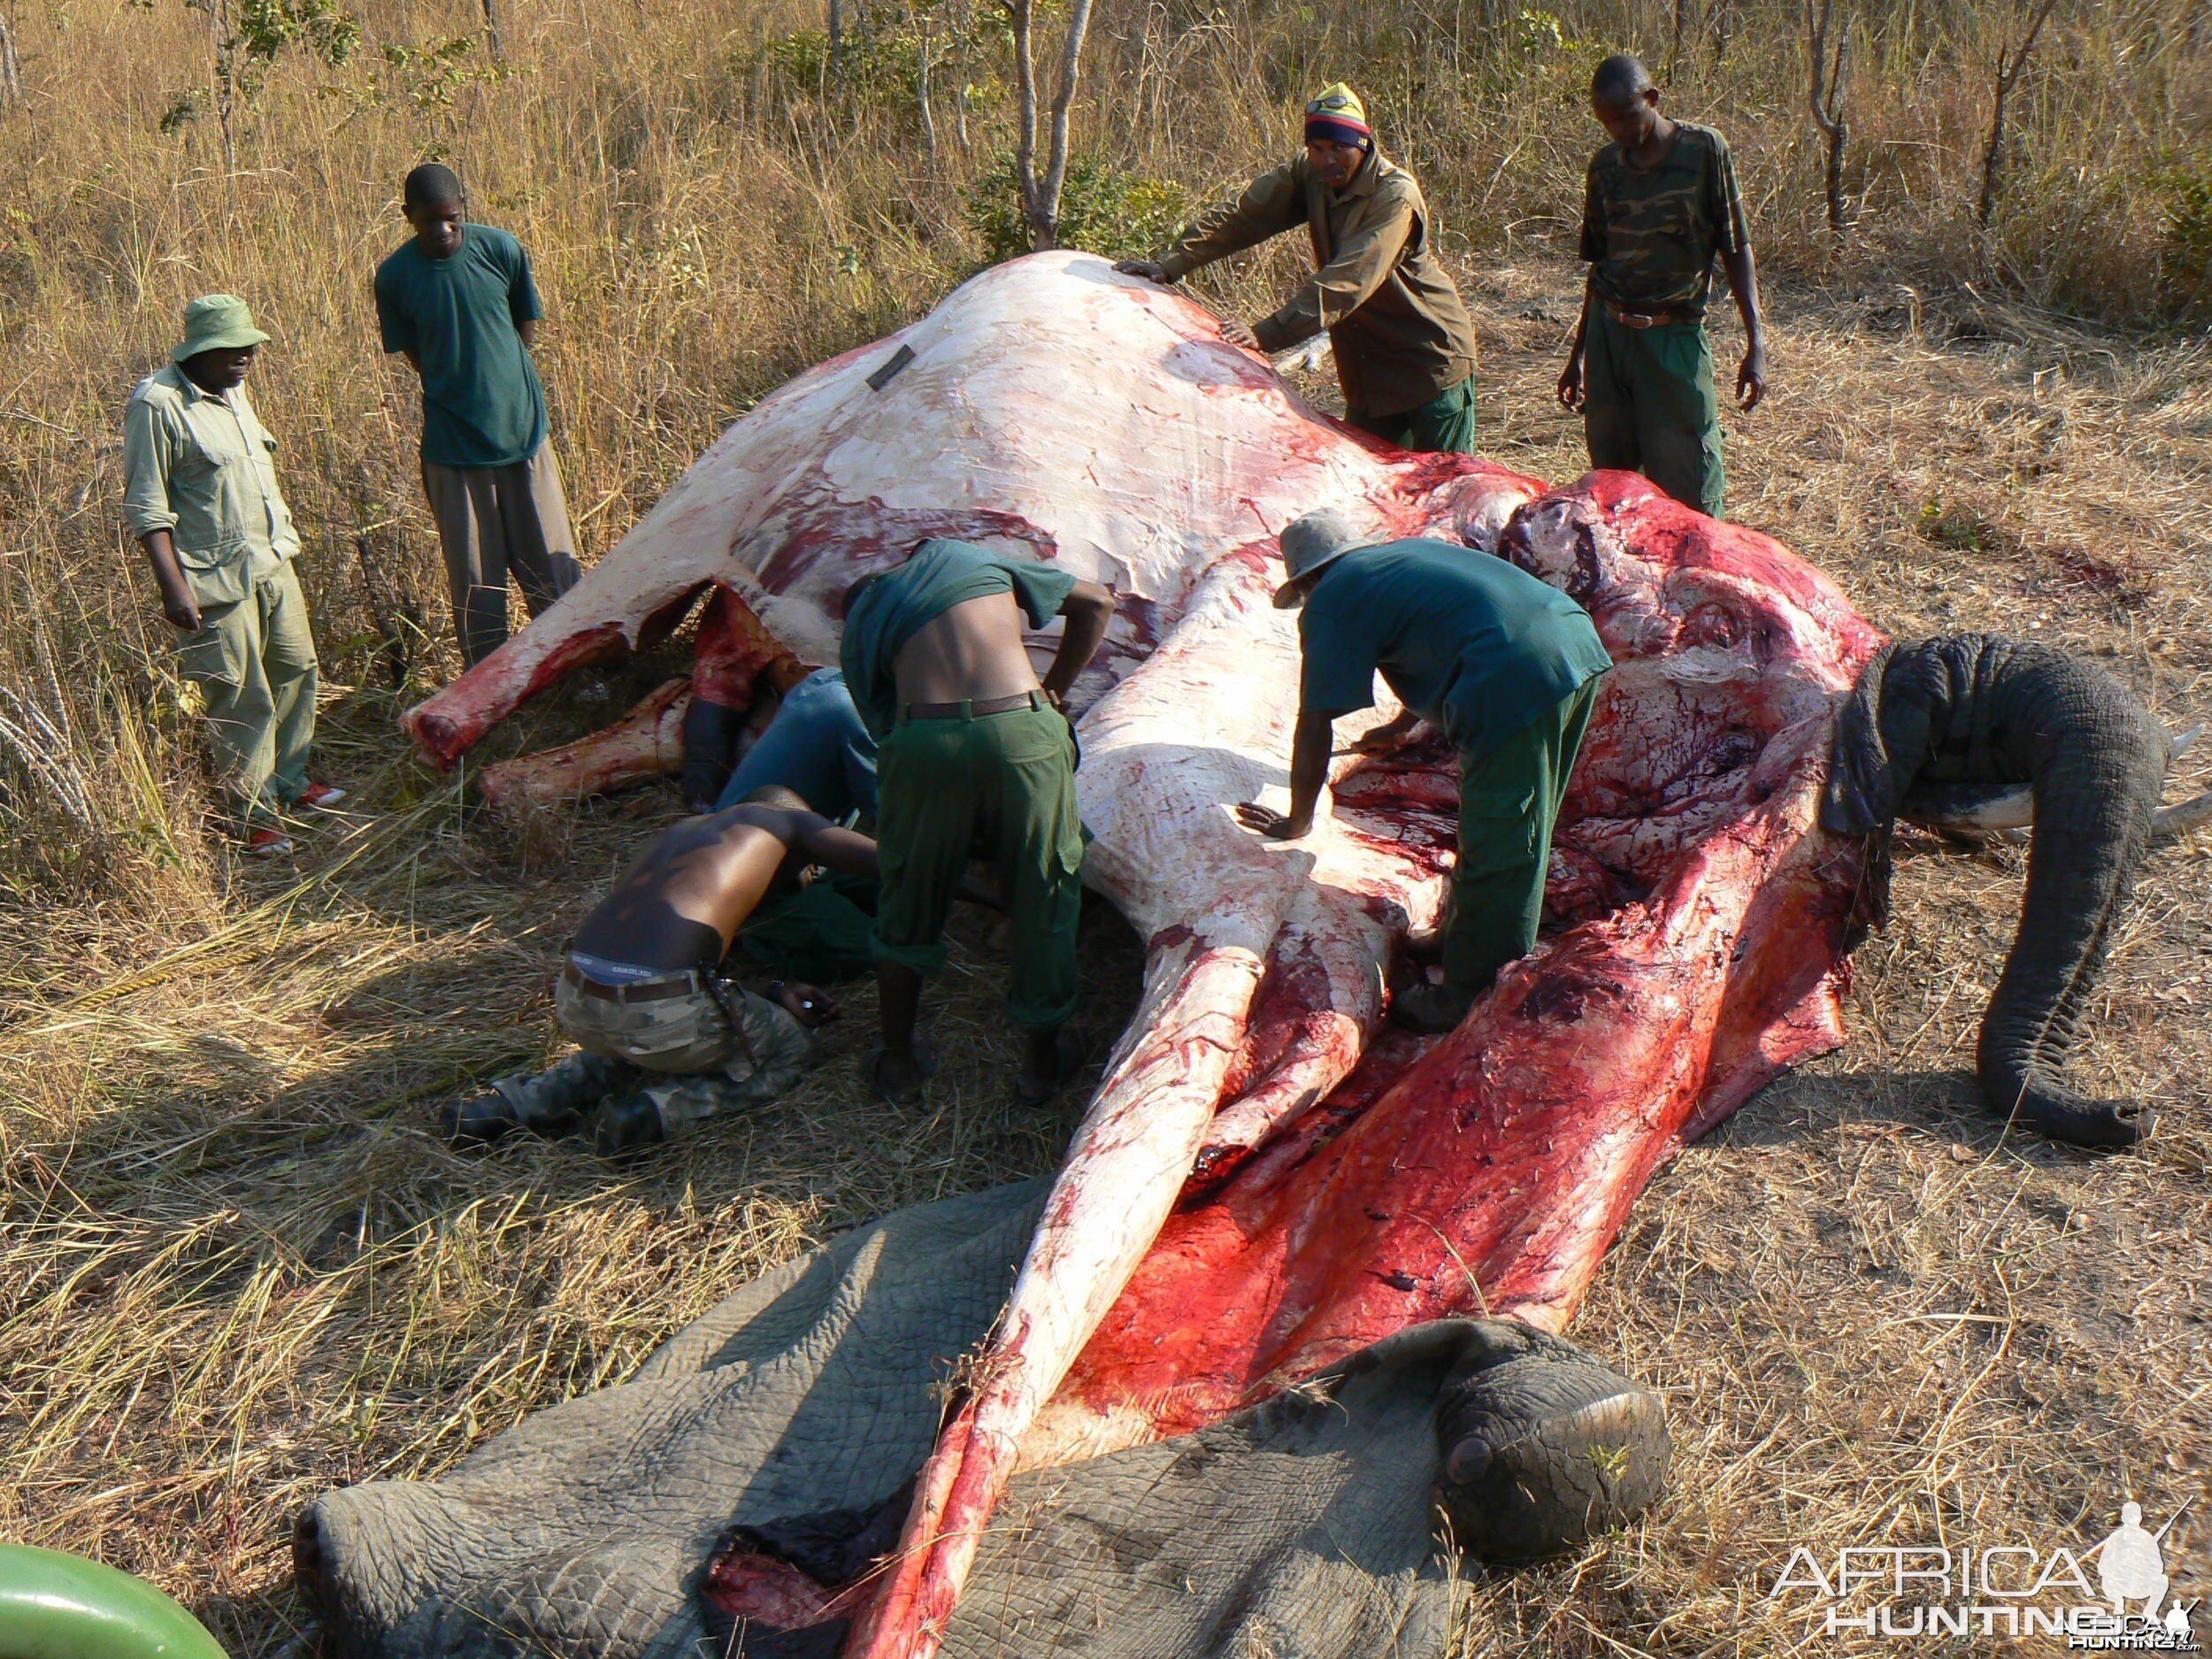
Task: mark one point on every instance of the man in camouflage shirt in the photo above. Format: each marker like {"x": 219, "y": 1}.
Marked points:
{"x": 1660, "y": 204}
{"x": 1405, "y": 350}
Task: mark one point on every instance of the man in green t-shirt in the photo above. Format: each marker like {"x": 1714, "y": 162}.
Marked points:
{"x": 1405, "y": 349}
{"x": 974, "y": 752}
{"x": 1661, "y": 202}
{"x": 1507, "y": 665}
{"x": 459, "y": 302}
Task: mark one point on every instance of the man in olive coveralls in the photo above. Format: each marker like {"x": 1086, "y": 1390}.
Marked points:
{"x": 1661, "y": 202}
{"x": 1507, "y": 665}
{"x": 1405, "y": 350}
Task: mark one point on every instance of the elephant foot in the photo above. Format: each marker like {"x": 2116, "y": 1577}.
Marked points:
{"x": 2065, "y": 1116}
{"x": 1544, "y": 1447}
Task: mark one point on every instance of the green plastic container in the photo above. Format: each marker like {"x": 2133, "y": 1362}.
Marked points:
{"x": 54, "y": 1606}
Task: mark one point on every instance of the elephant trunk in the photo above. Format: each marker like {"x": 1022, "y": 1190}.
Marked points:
{"x": 1978, "y": 710}
{"x": 2099, "y": 770}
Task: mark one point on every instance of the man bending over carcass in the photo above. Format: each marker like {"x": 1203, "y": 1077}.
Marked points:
{"x": 975, "y": 752}
{"x": 1505, "y": 664}
{"x": 667, "y": 1039}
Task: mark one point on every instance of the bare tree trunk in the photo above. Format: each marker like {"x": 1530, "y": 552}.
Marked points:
{"x": 492, "y": 42}
{"x": 1681, "y": 22}
{"x": 1040, "y": 199}
{"x": 2007, "y": 77}
{"x": 837, "y": 38}
{"x": 1828, "y": 106}
{"x": 929, "y": 119}
{"x": 11, "y": 66}
{"x": 1720, "y": 41}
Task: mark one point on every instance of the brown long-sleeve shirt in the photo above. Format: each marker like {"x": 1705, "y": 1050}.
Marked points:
{"x": 1396, "y": 321}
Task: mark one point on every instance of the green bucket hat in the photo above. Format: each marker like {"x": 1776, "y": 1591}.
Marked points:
{"x": 217, "y": 322}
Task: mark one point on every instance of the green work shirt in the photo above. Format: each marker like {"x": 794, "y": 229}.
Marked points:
{"x": 482, "y": 404}
{"x": 1470, "y": 642}
{"x": 1396, "y": 321}
{"x": 900, "y": 602}
{"x": 203, "y": 467}
{"x": 1650, "y": 235}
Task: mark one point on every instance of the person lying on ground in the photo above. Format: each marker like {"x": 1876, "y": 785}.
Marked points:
{"x": 1661, "y": 201}
{"x": 817, "y": 745}
{"x": 667, "y": 1041}
{"x": 975, "y": 751}
{"x": 1507, "y": 665}
{"x": 1404, "y": 346}
{"x": 458, "y": 301}
{"x": 200, "y": 493}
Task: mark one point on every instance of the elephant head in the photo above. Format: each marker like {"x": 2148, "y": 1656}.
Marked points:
{"x": 1934, "y": 723}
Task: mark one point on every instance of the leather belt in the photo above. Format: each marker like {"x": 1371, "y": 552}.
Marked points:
{"x": 972, "y": 706}
{"x": 1639, "y": 320}
{"x": 677, "y": 982}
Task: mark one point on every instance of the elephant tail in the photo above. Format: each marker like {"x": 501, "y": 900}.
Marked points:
{"x": 2096, "y": 761}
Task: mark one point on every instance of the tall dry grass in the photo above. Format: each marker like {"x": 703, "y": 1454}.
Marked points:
{"x": 234, "y": 1266}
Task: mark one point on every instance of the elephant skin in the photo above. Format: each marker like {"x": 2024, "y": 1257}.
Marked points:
{"x": 1305, "y": 1525}
{"x": 1932, "y": 719}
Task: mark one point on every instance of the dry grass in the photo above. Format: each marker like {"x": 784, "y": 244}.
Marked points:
{"x": 236, "y": 1268}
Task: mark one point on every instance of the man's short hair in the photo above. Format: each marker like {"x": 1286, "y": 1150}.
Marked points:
{"x": 777, "y": 794}
{"x": 433, "y": 184}
{"x": 1620, "y": 78}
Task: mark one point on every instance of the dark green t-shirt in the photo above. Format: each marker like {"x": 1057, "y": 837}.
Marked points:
{"x": 1469, "y": 641}
{"x": 900, "y": 602}
{"x": 482, "y": 402}
{"x": 1651, "y": 235}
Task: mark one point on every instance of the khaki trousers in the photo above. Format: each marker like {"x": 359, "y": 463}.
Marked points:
{"x": 494, "y": 520}
{"x": 254, "y": 661}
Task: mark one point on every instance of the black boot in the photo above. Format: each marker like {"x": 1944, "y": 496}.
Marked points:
{"x": 628, "y": 1121}
{"x": 476, "y": 1122}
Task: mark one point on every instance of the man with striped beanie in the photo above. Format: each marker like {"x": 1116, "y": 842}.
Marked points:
{"x": 1405, "y": 350}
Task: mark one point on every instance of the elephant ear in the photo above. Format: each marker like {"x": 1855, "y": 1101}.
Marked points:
{"x": 1863, "y": 790}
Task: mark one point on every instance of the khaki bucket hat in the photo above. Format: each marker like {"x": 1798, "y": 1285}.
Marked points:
{"x": 217, "y": 322}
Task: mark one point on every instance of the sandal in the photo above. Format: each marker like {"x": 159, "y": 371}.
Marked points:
{"x": 871, "y": 1068}
{"x": 1070, "y": 1050}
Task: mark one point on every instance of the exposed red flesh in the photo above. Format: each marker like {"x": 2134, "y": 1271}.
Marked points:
{"x": 1266, "y": 1179}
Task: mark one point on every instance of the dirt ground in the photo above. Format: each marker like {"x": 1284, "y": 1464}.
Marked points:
{"x": 236, "y": 1268}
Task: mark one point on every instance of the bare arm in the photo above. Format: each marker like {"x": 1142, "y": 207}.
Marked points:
{"x": 1571, "y": 377}
{"x": 1743, "y": 281}
{"x": 1309, "y": 747}
{"x": 528, "y": 329}
{"x": 833, "y": 847}
{"x": 177, "y": 602}
{"x": 1088, "y": 608}
{"x": 147, "y": 448}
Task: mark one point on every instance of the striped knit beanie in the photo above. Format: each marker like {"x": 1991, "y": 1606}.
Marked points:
{"x": 1337, "y": 115}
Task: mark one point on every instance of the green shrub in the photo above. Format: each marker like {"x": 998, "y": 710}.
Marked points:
{"x": 1103, "y": 210}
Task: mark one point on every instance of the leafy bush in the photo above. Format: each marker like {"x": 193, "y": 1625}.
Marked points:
{"x": 2185, "y": 261}
{"x": 1103, "y": 210}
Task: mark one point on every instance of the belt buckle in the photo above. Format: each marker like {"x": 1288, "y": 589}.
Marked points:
{"x": 1639, "y": 320}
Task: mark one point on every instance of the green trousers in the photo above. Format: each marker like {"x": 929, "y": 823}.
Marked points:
{"x": 1508, "y": 798}
{"x": 1443, "y": 425}
{"x": 1649, "y": 406}
{"x": 1004, "y": 784}
{"x": 254, "y": 661}
{"x": 817, "y": 934}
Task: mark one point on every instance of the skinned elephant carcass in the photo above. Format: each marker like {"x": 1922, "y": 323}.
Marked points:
{"x": 1266, "y": 1187}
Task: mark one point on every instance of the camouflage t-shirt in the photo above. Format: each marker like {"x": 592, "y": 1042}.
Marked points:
{"x": 1651, "y": 234}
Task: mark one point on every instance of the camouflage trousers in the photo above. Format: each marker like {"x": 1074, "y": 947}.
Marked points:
{"x": 693, "y": 1049}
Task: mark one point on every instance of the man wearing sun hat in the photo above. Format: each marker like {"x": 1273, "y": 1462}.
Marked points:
{"x": 200, "y": 493}
{"x": 1507, "y": 665}
{"x": 1405, "y": 350}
